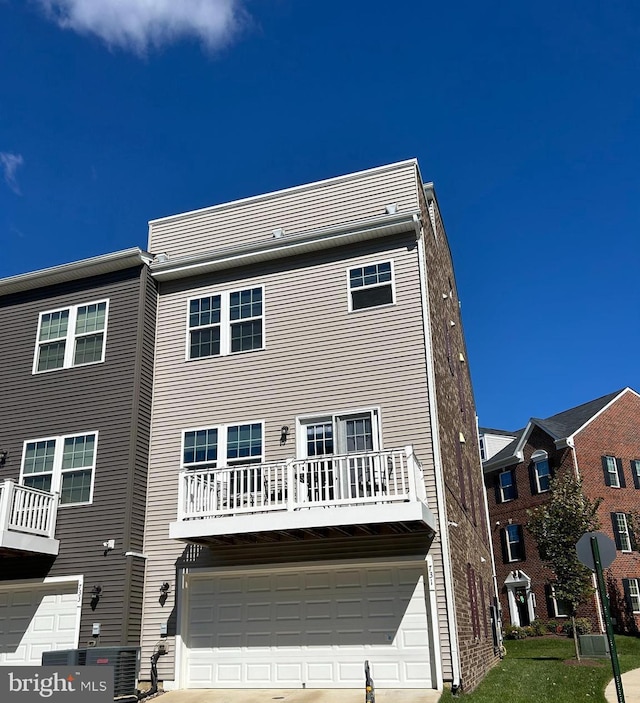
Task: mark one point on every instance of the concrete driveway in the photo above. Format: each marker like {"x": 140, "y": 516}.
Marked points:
{"x": 297, "y": 696}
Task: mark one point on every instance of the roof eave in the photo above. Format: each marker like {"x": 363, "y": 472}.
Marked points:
{"x": 489, "y": 466}
{"x": 286, "y": 245}
{"x": 105, "y": 263}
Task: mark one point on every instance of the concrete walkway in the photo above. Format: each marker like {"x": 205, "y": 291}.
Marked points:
{"x": 630, "y": 687}
{"x": 297, "y": 696}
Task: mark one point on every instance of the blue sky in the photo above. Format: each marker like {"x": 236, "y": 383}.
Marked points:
{"x": 525, "y": 115}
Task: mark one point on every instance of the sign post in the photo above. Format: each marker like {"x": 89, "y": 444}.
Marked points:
{"x": 598, "y": 542}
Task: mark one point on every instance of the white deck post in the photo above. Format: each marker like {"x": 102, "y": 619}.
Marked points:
{"x": 5, "y": 504}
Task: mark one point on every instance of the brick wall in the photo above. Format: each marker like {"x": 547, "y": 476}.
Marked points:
{"x": 615, "y": 432}
{"x": 470, "y": 552}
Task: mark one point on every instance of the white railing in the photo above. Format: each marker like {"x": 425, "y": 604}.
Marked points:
{"x": 386, "y": 476}
{"x": 27, "y": 510}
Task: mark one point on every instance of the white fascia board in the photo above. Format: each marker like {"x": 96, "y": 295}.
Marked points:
{"x": 287, "y": 245}
{"x": 571, "y": 439}
{"x": 105, "y": 263}
{"x": 285, "y": 191}
{"x": 302, "y": 519}
{"x": 515, "y": 458}
{"x": 34, "y": 544}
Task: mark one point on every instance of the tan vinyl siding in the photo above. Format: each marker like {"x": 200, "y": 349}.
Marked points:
{"x": 330, "y": 203}
{"x": 318, "y": 358}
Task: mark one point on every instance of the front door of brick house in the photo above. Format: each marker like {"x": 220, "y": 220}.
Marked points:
{"x": 523, "y": 606}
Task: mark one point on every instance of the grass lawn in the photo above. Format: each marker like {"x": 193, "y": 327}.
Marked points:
{"x": 534, "y": 670}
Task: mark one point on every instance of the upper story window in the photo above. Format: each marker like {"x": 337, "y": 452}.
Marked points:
{"x": 506, "y": 483}
{"x": 63, "y": 465}
{"x": 635, "y": 472}
{"x": 632, "y": 592}
{"x": 613, "y": 472}
{"x": 226, "y": 323}
{"x": 371, "y": 285}
{"x": 541, "y": 471}
{"x": 72, "y": 336}
{"x": 224, "y": 445}
{"x": 483, "y": 453}
{"x": 513, "y": 543}
{"x": 622, "y": 532}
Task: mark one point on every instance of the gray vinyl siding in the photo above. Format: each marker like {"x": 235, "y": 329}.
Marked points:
{"x": 318, "y": 358}
{"x": 98, "y": 397}
{"x": 310, "y": 207}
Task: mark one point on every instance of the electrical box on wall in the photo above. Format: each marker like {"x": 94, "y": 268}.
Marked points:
{"x": 163, "y": 629}
{"x": 95, "y": 630}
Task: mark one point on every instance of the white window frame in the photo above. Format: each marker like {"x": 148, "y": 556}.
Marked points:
{"x": 222, "y": 461}
{"x": 483, "y": 452}
{"x": 541, "y": 457}
{"x": 611, "y": 461}
{"x": 622, "y": 527}
{"x": 634, "y": 594}
{"x": 508, "y": 542}
{"x": 334, "y": 417}
{"x": 513, "y": 480}
{"x": 71, "y": 336}
{"x": 555, "y": 600}
{"x": 57, "y": 472}
{"x": 392, "y": 283}
{"x": 225, "y": 323}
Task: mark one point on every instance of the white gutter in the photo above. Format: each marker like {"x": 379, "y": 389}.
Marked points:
{"x": 105, "y": 263}
{"x": 437, "y": 461}
{"x": 286, "y": 245}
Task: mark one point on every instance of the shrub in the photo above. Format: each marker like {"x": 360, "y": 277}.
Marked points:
{"x": 529, "y": 631}
{"x": 583, "y": 627}
{"x": 513, "y": 632}
{"x": 538, "y": 627}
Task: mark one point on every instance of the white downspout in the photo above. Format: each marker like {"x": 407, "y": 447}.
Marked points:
{"x": 437, "y": 460}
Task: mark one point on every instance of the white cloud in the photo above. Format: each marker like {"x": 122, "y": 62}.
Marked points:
{"x": 137, "y": 25}
{"x": 10, "y": 164}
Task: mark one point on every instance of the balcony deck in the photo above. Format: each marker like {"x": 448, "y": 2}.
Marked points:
{"x": 370, "y": 491}
{"x": 27, "y": 520}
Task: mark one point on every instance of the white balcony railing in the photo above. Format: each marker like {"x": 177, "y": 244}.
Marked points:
{"x": 27, "y": 510}
{"x": 382, "y": 477}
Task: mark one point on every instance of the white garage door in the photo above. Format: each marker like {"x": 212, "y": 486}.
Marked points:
{"x": 315, "y": 626}
{"x": 34, "y": 620}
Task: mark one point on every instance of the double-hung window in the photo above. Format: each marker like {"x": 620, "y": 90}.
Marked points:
{"x": 72, "y": 336}
{"x": 513, "y": 543}
{"x": 371, "y": 285}
{"x": 635, "y": 472}
{"x": 64, "y": 465}
{"x": 541, "y": 471}
{"x": 226, "y": 323}
{"x": 613, "y": 472}
{"x": 622, "y": 532}
{"x": 632, "y": 592}
{"x": 219, "y": 448}
{"x": 561, "y": 607}
{"x": 507, "y": 486}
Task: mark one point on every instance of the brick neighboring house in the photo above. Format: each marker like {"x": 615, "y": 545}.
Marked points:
{"x": 315, "y": 490}
{"x": 598, "y": 441}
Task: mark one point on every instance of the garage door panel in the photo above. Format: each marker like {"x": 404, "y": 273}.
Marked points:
{"x": 374, "y": 613}
{"x": 37, "y": 619}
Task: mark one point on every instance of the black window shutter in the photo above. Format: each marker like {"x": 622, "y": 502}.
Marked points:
{"x": 497, "y": 487}
{"x": 532, "y": 479}
{"x": 607, "y": 477}
{"x": 621, "y": 473}
{"x": 523, "y": 555}
{"x": 515, "y": 483}
{"x": 634, "y": 473}
{"x": 632, "y": 534}
{"x": 503, "y": 542}
{"x": 616, "y": 534}
{"x": 549, "y": 598}
{"x": 627, "y": 594}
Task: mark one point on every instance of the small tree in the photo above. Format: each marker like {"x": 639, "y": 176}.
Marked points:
{"x": 557, "y": 526}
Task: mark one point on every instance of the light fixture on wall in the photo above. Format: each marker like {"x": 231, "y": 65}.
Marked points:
{"x": 3, "y": 456}
{"x": 165, "y": 587}
{"x": 96, "y": 592}
{"x": 284, "y": 433}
